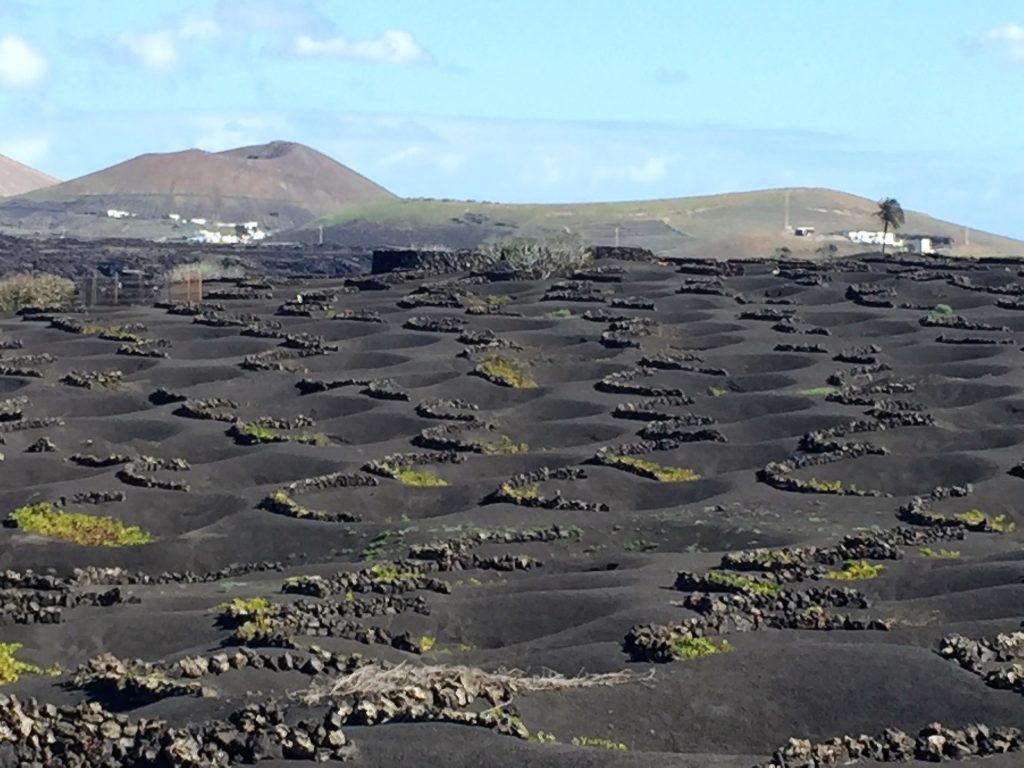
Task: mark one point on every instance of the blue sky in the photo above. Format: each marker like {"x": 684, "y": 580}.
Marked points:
{"x": 542, "y": 100}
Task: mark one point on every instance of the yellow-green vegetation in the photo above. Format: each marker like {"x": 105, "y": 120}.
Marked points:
{"x": 520, "y": 495}
{"x": 737, "y": 581}
{"x": 11, "y": 669}
{"x": 117, "y": 333}
{"x": 594, "y": 741}
{"x": 824, "y": 486}
{"x": 255, "y": 616}
{"x": 420, "y": 478}
{"x": 505, "y": 372}
{"x": 944, "y": 554}
{"x": 543, "y": 737}
{"x": 264, "y": 434}
{"x": 40, "y": 290}
{"x": 503, "y": 445}
{"x": 76, "y": 527}
{"x": 696, "y": 647}
{"x": 492, "y": 300}
{"x": 559, "y": 314}
{"x": 816, "y": 391}
{"x": 389, "y": 574}
{"x": 653, "y": 470}
{"x": 425, "y": 643}
{"x": 976, "y": 519}
{"x": 854, "y": 570}
{"x": 717, "y": 391}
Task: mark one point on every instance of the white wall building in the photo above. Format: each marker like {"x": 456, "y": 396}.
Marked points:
{"x": 867, "y": 237}
{"x": 113, "y": 213}
{"x": 920, "y": 245}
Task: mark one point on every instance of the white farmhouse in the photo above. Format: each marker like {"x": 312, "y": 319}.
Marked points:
{"x": 113, "y": 213}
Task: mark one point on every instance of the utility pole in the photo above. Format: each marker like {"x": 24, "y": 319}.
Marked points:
{"x": 967, "y": 236}
{"x": 616, "y": 237}
{"x": 786, "y": 225}
{"x": 321, "y": 234}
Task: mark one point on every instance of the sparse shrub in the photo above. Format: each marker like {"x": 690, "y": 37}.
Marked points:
{"x": 696, "y": 647}
{"x": 389, "y": 574}
{"x": 540, "y": 258}
{"x": 977, "y": 520}
{"x": 717, "y": 391}
{"x": 252, "y": 618}
{"x": 11, "y": 669}
{"x": 505, "y": 372}
{"x": 855, "y": 570}
{"x": 944, "y": 554}
{"x": 594, "y": 741}
{"x": 942, "y": 310}
{"x": 503, "y": 445}
{"x": 743, "y": 582}
{"x": 526, "y": 493}
{"x": 543, "y": 737}
{"x": 824, "y": 486}
{"x": 420, "y": 478}
{"x": 76, "y": 527}
{"x": 653, "y": 470}
{"x": 39, "y": 290}
{"x": 425, "y": 643}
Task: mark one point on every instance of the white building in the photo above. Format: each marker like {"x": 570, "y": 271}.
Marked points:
{"x": 200, "y": 222}
{"x": 113, "y": 213}
{"x": 920, "y": 244}
{"x": 867, "y": 237}
{"x": 174, "y": 216}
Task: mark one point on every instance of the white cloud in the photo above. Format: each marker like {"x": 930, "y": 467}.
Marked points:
{"x": 26, "y": 150}
{"x": 198, "y": 27}
{"x": 157, "y": 51}
{"x": 1010, "y": 39}
{"x": 21, "y": 66}
{"x": 652, "y": 170}
{"x": 391, "y": 47}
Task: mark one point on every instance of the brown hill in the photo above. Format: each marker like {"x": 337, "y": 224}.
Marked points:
{"x": 739, "y": 224}
{"x": 17, "y": 179}
{"x": 280, "y": 184}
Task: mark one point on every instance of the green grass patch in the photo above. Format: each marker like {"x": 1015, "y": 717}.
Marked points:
{"x": 594, "y": 741}
{"x": 943, "y": 554}
{"x": 816, "y": 391}
{"x": 855, "y": 570}
{"x": 685, "y": 648}
{"x": 76, "y": 527}
{"x": 653, "y": 470}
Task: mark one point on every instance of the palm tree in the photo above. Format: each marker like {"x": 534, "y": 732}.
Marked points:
{"x": 891, "y": 213}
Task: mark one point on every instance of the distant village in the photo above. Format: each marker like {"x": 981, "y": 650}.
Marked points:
{"x": 217, "y": 233}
